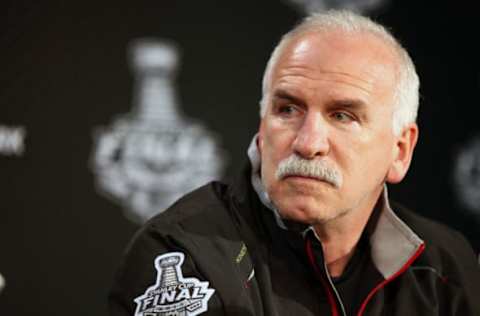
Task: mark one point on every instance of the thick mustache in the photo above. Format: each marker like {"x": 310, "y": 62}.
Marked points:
{"x": 318, "y": 169}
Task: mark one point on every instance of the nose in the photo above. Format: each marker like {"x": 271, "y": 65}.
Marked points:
{"x": 312, "y": 137}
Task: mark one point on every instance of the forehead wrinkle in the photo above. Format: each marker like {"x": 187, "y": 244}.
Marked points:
{"x": 363, "y": 84}
{"x": 367, "y": 90}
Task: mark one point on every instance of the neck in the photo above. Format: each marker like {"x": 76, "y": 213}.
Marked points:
{"x": 340, "y": 236}
{"x": 338, "y": 247}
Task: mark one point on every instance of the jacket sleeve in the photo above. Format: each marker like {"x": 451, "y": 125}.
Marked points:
{"x": 159, "y": 274}
{"x": 136, "y": 272}
{"x": 467, "y": 277}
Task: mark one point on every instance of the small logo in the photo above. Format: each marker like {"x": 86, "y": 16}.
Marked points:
{"x": 172, "y": 294}
{"x": 12, "y": 140}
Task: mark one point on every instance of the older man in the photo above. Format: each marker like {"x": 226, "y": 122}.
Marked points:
{"x": 308, "y": 228}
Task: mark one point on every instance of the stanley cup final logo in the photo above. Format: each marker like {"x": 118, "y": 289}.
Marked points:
{"x": 172, "y": 294}
{"x": 152, "y": 156}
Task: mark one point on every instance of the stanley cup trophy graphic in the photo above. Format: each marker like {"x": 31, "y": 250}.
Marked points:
{"x": 150, "y": 157}
{"x": 169, "y": 276}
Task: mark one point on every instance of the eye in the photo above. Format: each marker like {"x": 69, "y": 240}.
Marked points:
{"x": 342, "y": 117}
{"x": 287, "y": 110}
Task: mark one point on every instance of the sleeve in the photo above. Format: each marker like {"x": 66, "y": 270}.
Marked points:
{"x": 159, "y": 276}
{"x": 468, "y": 277}
{"x": 136, "y": 272}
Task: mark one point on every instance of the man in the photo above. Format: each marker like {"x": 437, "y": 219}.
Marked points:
{"x": 308, "y": 228}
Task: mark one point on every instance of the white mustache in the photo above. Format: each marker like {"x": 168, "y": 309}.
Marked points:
{"x": 294, "y": 165}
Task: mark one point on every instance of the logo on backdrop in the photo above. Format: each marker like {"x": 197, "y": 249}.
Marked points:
{"x": 12, "y": 140}
{"x": 173, "y": 294}
{"x": 2, "y": 283}
{"x": 310, "y": 6}
{"x": 152, "y": 156}
{"x": 467, "y": 175}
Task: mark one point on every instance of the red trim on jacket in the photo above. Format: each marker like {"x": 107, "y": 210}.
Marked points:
{"x": 391, "y": 278}
{"x": 331, "y": 298}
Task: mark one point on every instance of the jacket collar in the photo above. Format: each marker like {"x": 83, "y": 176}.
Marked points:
{"x": 393, "y": 244}
{"x": 256, "y": 181}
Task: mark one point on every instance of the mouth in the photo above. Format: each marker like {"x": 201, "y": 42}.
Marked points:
{"x": 293, "y": 176}
{"x": 307, "y": 179}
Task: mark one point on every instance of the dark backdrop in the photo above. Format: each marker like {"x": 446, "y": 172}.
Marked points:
{"x": 64, "y": 72}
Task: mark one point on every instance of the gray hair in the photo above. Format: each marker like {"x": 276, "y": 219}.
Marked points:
{"x": 406, "y": 95}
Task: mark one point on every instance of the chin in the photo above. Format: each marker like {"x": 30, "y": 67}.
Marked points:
{"x": 307, "y": 212}
{"x": 302, "y": 213}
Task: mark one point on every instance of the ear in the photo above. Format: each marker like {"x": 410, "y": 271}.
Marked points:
{"x": 260, "y": 137}
{"x": 403, "y": 152}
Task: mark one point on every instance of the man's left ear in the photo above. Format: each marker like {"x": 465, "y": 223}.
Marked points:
{"x": 403, "y": 152}
{"x": 260, "y": 137}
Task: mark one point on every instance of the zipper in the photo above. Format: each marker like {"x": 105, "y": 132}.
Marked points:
{"x": 339, "y": 299}
{"x": 327, "y": 286}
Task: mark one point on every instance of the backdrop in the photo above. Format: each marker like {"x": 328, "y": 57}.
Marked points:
{"x": 96, "y": 99}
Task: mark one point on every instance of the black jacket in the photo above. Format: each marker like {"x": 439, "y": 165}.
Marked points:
{"x": 219, "y": 251}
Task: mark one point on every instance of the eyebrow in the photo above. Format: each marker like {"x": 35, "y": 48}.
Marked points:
{"x": 346, "y": 103}
{"x": 283, "y": 94}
